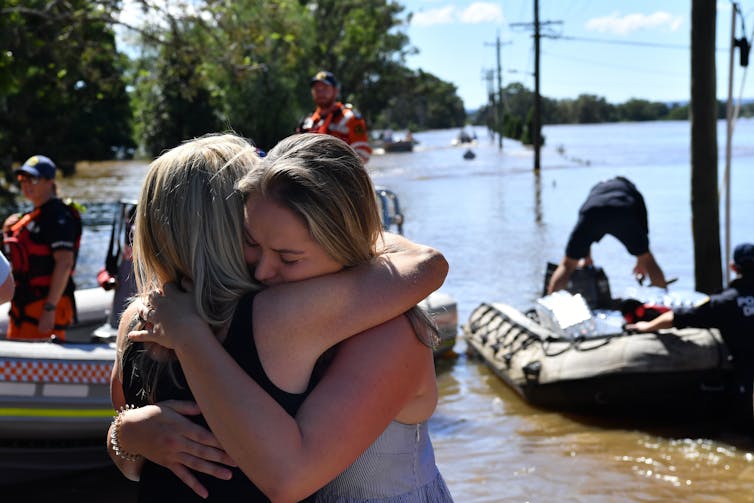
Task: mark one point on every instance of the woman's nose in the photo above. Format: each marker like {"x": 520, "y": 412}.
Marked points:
{"x": 265, "y": 270}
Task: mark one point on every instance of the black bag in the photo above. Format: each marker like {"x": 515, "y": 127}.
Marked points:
{"x": 591, "y": 282}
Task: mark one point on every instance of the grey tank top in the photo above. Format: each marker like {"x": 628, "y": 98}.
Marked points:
{"x": 399, "y": 467}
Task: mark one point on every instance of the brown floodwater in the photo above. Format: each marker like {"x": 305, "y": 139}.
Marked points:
{"x": 498, "y": 224}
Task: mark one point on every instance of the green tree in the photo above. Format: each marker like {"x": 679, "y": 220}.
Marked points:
{"x": 173, "y": 98}
{"x": 61, "y": 91}
{"x": 642, "y": 110}
{"x": 359, "y": 41}
{"x": 420, "y": 100}
{"x": 263, "y": 70}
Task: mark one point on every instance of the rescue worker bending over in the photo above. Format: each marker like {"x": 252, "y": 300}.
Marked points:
{"x": 614, "y": 207}
{"x": 42, "y": 246}
{"x": 334, "y": 118}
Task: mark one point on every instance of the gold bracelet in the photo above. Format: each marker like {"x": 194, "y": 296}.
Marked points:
{"x": 115, "y": 430}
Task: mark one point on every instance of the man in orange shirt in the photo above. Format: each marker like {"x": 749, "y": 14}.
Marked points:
{"x": 334, "y": 118}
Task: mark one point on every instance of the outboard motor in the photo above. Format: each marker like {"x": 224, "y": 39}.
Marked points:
{"x": 118, "y": 273}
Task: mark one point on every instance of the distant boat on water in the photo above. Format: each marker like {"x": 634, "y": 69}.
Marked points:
{"x": 390, "y": 142}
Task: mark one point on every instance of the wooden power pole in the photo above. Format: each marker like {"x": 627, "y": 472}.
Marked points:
{"x": 498, "y": 102}
{"x": 537, "y": 105}
{"x": 536, "y": 119}
{"x": 705, "y": 204}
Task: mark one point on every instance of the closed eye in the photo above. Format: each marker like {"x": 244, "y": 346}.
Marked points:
{"x": 289, "y": 260}
{"x": 249, "y": 241}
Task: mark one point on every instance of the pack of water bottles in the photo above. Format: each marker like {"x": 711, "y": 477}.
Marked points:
{"x": 565, "y": 314}
{"x": 569, "y": 317}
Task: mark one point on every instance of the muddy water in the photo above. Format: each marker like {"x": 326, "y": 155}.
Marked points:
{"x": 499, "y": 224}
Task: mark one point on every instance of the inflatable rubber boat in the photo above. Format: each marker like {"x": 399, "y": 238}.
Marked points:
{"x": 594, "y": 365}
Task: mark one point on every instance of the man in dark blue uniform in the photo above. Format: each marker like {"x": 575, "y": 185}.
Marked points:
{"x": 732, "y": 312}
{"x": 612, "y": 207}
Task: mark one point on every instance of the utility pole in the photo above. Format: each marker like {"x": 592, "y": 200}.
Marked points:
{"x": 536, "y": 109}
{"x": 489, "y": 77}
{"x": 499, "y": 109}
{"x": 536, "y": 116}
{"x": 705, "y": 204}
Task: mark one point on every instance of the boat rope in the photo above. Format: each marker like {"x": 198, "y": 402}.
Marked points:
{"x": 509, "y": 336}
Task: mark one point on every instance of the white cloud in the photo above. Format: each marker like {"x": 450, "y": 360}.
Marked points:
{"x": 477, "y": 12}
{"x": 482, "y": 12}
{"x": 623, "y": 25}
{"x": 444, "y": 15}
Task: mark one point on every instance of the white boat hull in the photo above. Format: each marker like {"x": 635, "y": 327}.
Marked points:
{"x": 55, "y": 397}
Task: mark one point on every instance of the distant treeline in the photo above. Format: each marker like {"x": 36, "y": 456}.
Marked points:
{"x": 586, "y": 109}
{"x": 244, "y": 65}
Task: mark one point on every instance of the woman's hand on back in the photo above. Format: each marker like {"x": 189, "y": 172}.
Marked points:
{"x": 170, "y": 316}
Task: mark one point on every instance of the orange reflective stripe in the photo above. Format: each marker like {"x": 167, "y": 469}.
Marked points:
{"x": 25, "y": 220}
{"x": 54, "y": 371}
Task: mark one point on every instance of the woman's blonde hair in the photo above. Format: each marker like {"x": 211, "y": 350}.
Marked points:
{"x": 321, "y": 178}
{"x": 189, "y": 225}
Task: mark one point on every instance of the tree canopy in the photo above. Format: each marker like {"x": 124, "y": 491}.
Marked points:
{"x": 192, "y": 67}
{"x": 61, "y": 85}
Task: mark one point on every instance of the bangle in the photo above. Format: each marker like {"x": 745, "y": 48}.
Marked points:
{"x": 49, "y": 306}
{"x": 115, "y": 430}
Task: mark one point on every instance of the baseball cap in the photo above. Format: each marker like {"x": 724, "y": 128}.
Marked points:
{"x": 744, "y": 254}
{"x": 38, "y": 166}
{"x": 326, "y": 77}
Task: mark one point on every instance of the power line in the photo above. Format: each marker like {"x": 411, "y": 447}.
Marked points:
{"x": 623, "y": 42}
{"x": 626, "y": 42}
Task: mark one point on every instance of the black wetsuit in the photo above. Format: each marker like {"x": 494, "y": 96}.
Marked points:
{"x": 612, "y": 207}
{"x": 158, "y": 484}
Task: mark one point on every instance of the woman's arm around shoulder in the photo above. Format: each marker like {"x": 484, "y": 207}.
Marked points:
{"x": 317, "y": 313}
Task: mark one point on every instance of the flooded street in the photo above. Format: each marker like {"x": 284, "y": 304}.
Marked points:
{"x": 499, "y": 224}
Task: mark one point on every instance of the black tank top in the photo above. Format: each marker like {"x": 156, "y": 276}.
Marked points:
{"x": 158, "y": 484}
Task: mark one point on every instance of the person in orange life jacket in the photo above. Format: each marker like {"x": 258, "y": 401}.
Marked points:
{"x": 334, "y": 118}
{"x": 7, "y": 285}
{"x": 42, "y": 246}
{"x": 732, "y": 312}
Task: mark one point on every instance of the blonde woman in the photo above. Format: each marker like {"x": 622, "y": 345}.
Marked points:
{"x": 182, "y": 233}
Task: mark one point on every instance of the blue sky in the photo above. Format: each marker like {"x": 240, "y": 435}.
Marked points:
{"x": 616, "y": 49}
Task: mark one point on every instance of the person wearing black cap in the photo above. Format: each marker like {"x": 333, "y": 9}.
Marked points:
{"x": 614, "y": 207}
{"x": 42, "y": 246}
{"x": 732, "y": 312}
{"x": 334, "y": 118}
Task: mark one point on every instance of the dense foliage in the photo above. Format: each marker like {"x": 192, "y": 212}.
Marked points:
{"x": 586, "y": 109}
{"x": 61, "y": 85}
{"x": 199, "y": 66}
